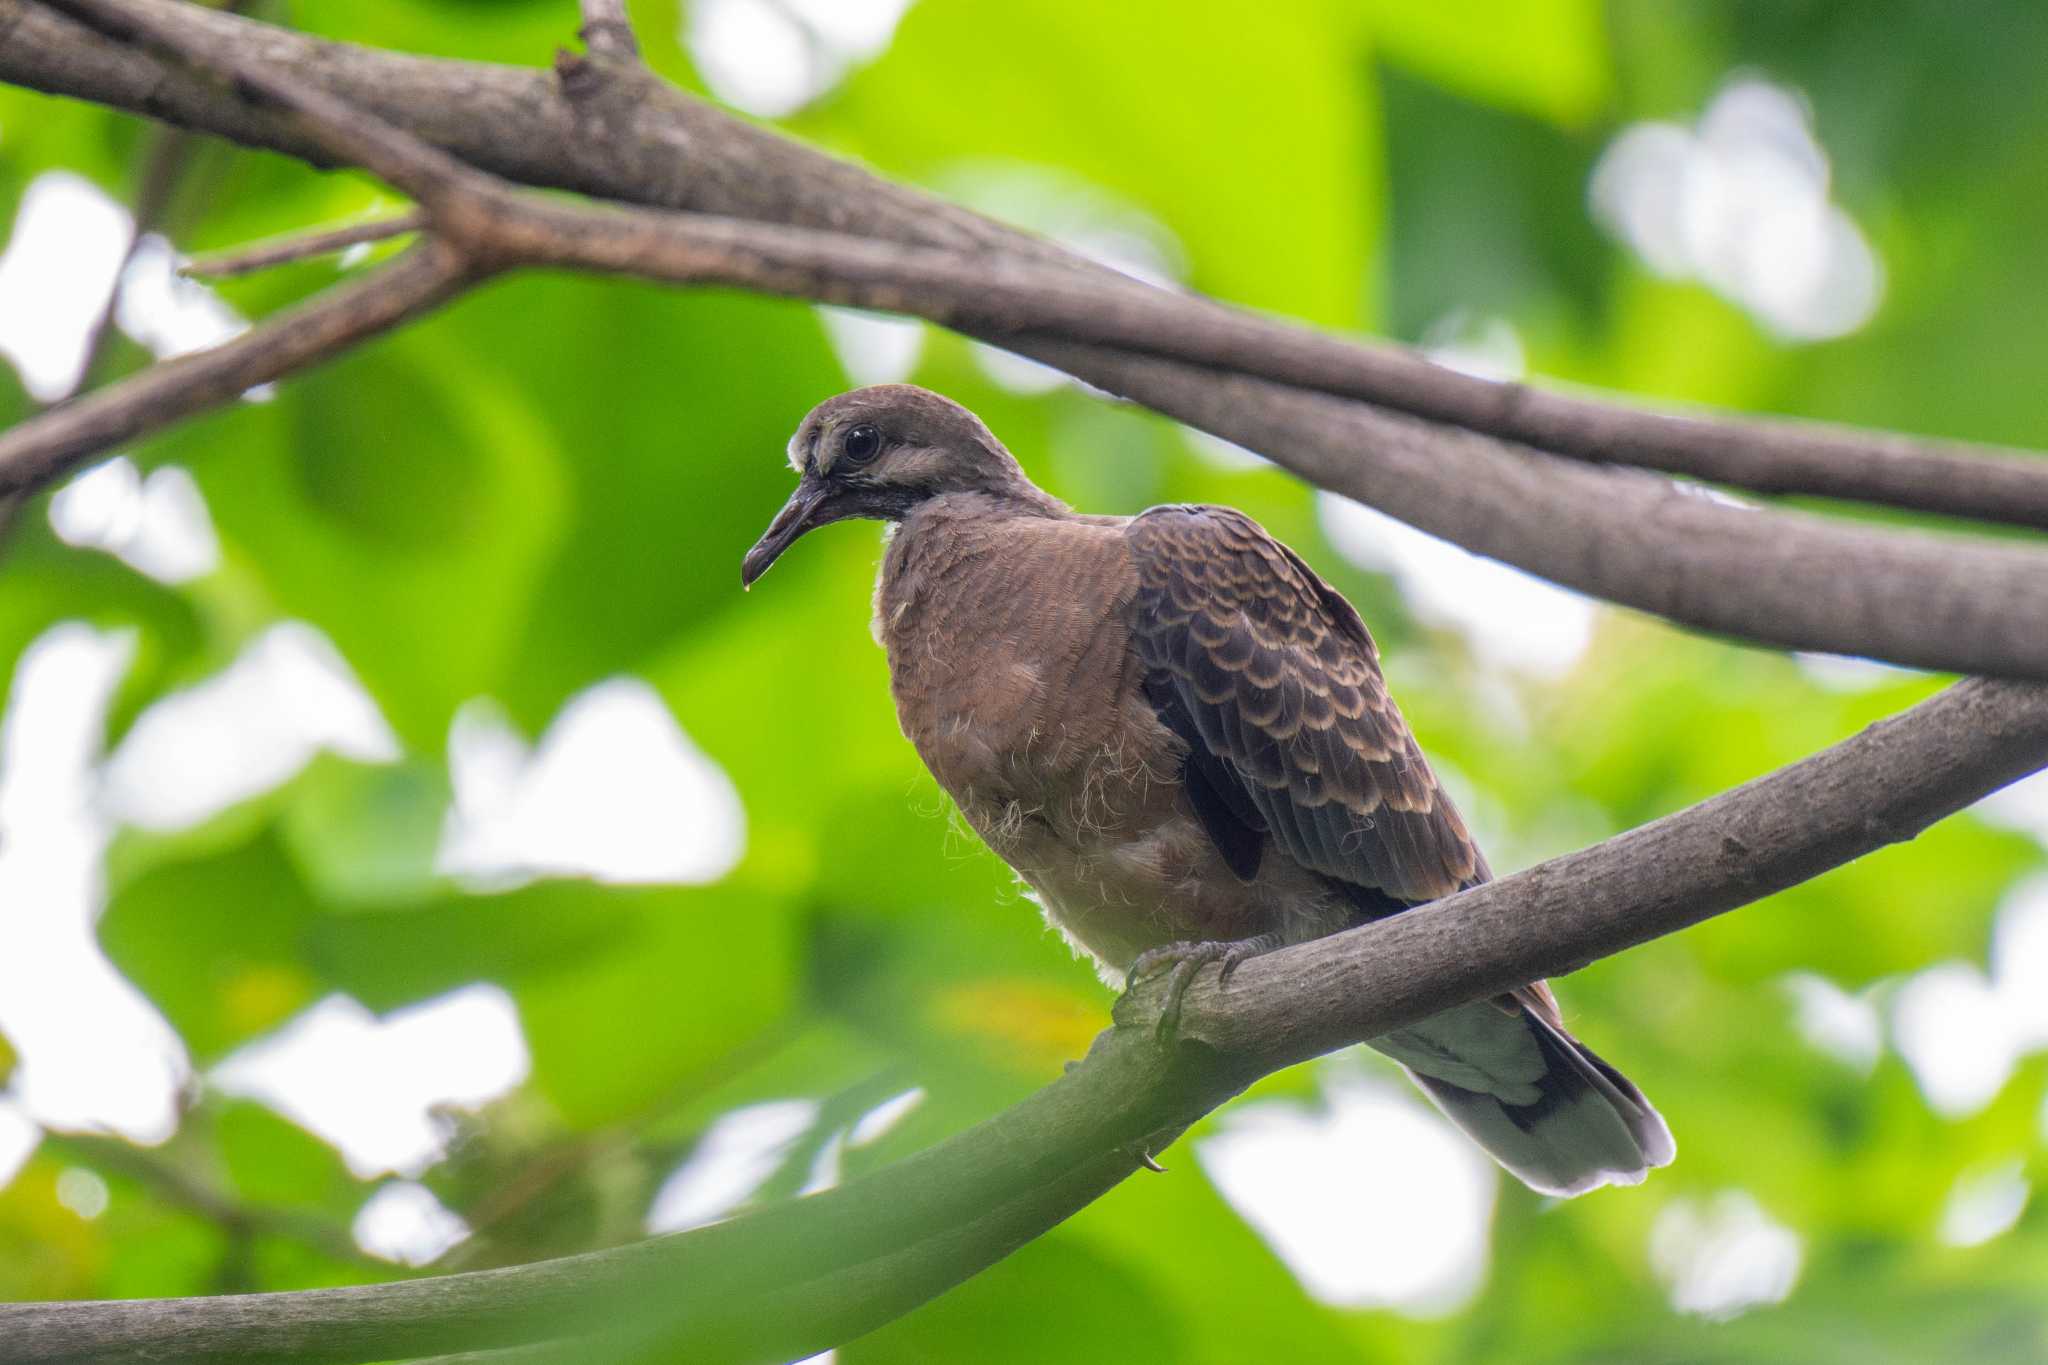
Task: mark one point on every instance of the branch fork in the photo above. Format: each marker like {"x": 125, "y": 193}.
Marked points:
{"x": 798, "y": 1277}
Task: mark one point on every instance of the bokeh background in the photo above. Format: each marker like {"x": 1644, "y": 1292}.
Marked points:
{"x": 416, "y": 852}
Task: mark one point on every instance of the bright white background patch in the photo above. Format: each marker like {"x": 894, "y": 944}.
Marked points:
{"x": 403, "y": 1222}
{"x": 372, "y": 1086}
{"x": 1965, "y": 1032}
{"x": 1952, "y": 1033}
{"x": 2022, "y": 806}
{"x": 1375, "y": 1201}
{"x": 1486, "y": 347}
{"x": 737, "y": 1153}
{"x": 158, "y": 526}
{"x": 19, "y": 1137}
{"x": 1722, "y": 1257}
{"x": 1846, "y": 1027}
{"x": 287, "y": 696}
{"x": 772, "y": 57}
{"x": 616, "y": 792}
{"x": 94, "y": 1053}
{"x": 82, "y": 1191}
{"x": 55, "y": 277}
{"x": 1846, "y": 673}
{"x": 61, "y": 266}
{"x": 1985, "y": 1203}
{"x": 165, "y": 311}
{"x": 876, "y": 1123}
{"x": 1511, "y": 619}
{"x": 873, "y": 348}
{"x": 1740, "y": 202}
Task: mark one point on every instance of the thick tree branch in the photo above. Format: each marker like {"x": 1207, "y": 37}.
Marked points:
{"x": 1765, "y": 574}
{"x": 814, "y": 1272}
{"x": 37, "y": 450}
{"x": 299, "y": 246}
{"x": 335, "y": 124}
{"x": 1762, "y": 574}
{"x": 672, "y": 151}
{"x": 797, "y": 1277}
{"x": 1804, "y": 582}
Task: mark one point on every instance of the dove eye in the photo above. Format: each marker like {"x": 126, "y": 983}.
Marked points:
{"x": 861, "y": 444}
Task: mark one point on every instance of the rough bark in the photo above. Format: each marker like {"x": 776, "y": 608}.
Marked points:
{"x": 797, "y": 1277}
{"x": 36, "y": 451}
{"x": 800, "y": 1276}
{"x": 640, "y": 140}
{"x": 1773, "y": 576}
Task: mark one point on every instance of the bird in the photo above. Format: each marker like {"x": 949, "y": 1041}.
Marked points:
{"x": 1178, "y": 735}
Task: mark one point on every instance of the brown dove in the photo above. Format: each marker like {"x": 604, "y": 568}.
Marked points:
{"x": 1178, "y": 735}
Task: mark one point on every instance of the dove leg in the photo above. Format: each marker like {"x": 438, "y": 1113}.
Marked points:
{"x": 1184, "y": 960}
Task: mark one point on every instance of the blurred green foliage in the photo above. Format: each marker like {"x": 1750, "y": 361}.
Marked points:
{"x": 552, "y": 482}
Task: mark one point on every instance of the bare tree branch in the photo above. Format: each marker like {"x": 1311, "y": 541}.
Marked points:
{"x": 1778, "y": 577}
{"x": 36, "y": 451}
{"x": 1763, "y": 574}
{"x": 521, "y": 126}
{"x": 1771, "y": 575}
{"x": 299, "y": 246}
{"x": 163, "y": 164}
{"x": 797, "y": 1277}
{"x": 181, "y": 1187}
{"x": 345, "y": 132}
{"x": 807, "y": 1274}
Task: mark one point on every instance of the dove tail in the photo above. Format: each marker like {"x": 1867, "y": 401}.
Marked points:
{"x": 1561, "y": 1119}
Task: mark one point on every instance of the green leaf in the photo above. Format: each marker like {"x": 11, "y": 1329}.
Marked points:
{"x": 1544, "y": 57}
{"x": 366, "y": 834}
{"x": 216, "y": 943}
{"x": 409, "y": 526}
{"x": 49, "y": 582}
{"x": 1055, "y": 1299}
{"x": 417, "y": 950}
{"x": 273, "y": 1162}
{"x": 694, "y": 976}
{"x": 1156, "y": 104}
{"x": 671, "y": 468}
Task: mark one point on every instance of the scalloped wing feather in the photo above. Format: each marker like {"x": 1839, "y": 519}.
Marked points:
{"x": 1282, "y": 683}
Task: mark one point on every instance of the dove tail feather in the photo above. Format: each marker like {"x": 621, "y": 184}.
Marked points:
{"x": 1576, "y": 1125}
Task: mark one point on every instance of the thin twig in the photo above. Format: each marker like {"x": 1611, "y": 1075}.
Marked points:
{"x": 813, "y": 1272}
{"x": 1778, "y": 577}
{"x": 797, "y": 1277}
{"x": 186, "y": 1190}
{"x": 517, "y": 124}
{"x": 607, "y": 32}
{"x": 244, "y": 260}
{"x": 34, "y": 452}
{"x": 1772, "y": 575}
{"x": 163, "y": 164}
{"x": 1009, "y": 298}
